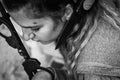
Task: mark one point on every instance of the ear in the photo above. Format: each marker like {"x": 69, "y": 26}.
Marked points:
{"x": 68, "y": 12}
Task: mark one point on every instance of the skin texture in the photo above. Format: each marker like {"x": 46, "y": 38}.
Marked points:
{"x": 42, "y": 30}
{"x": 42, "y": 75}
{"x": 35, "y": 28}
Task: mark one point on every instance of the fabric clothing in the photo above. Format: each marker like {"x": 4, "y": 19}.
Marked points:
{"x": 96, "y": 77}
{"x": 101, "y": 54}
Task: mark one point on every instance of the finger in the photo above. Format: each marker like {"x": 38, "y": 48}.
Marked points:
{"x": 4, "y": 30}
{"x": 42, "y": 75}
{"x": 87, "y": 4}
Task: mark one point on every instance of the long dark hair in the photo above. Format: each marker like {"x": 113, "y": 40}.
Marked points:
{"x": 70, "y": 47}
{"x": 95, "y": 15}
{"x": 42, "y": 6}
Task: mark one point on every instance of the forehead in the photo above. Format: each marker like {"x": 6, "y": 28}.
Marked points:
{"x": 21, "y": 17}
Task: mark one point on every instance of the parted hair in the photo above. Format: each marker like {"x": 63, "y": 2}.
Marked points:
{"x": 53, "y": 8}
{"x": 40, "y": 5}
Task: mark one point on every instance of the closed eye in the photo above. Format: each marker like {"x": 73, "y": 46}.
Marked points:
{"x": 36, "y": 28}
{"x": 33, "y": 28}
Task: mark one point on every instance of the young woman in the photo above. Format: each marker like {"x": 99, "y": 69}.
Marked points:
{"x": 85, "y": 58}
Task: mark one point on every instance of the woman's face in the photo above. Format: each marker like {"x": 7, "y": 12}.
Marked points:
{"x": 44, "y": 29}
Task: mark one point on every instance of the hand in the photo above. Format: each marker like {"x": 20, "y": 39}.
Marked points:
{"x": 4, "y": 30}
{"x": 88, "y": 4}
{"x": 42, "y": 75}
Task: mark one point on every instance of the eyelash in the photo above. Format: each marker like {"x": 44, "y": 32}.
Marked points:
{"x": 35, "y": 29}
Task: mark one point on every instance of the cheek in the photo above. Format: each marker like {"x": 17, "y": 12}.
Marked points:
{"x": 46, "y": 30}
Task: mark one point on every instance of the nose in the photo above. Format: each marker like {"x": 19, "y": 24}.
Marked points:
{"x": 28, "y": 34}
